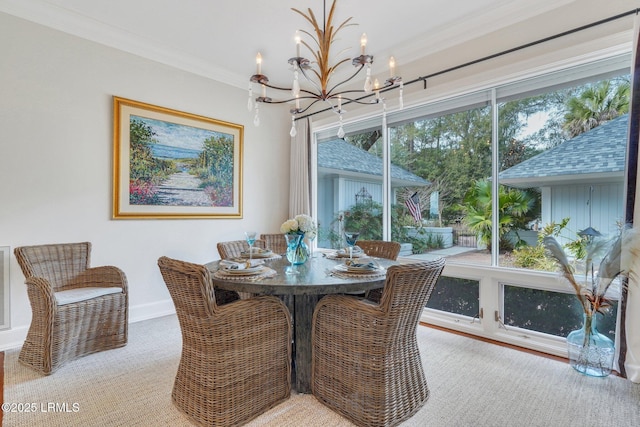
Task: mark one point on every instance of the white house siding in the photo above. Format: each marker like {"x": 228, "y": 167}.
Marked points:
{"x": 352, "y": 187}
{"x": 573, "y": 201}
{"x": 337, "y": 194}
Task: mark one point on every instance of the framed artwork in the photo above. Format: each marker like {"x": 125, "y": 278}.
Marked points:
{"x": 172, "y": 164}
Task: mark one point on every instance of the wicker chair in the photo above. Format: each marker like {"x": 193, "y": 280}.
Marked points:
{"x": 381, "y": 249}
{"x": 234, "y": 248}
{"x": 275, "y": 242}
{"x": 366, "y": 362}
{"x": 236, "y": 358}
{"x": 76, "y": 310}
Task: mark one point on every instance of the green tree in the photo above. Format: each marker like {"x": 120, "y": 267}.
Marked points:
{"x": 595, "y": 105}
{"x": 145, "y": 171}
{"x": 216, "y": 169}
{"x": 515, "y": 210}
{"x": 454, "y": 150}
{"x": 365, "y": 140}
{"x": 142, "y": 163}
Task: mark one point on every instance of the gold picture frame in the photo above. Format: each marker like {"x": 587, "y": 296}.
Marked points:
{"x": 171, "y": 164}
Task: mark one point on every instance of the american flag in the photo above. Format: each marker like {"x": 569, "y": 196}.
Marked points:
{"x": 413, "y": 204}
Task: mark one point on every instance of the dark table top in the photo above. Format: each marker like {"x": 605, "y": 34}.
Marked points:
{"x": 314, "y": 279}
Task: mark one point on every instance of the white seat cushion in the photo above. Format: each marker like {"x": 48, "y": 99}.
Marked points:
{"x": 83, "y": 294}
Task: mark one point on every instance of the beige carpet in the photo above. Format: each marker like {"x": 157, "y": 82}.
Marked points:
{"x": 472, "y": 384}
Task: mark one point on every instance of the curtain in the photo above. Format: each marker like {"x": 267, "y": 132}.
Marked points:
{"x": 300, "y": 168}
{"x": 629, "y": 333}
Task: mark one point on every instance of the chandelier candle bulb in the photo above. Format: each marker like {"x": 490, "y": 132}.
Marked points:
{"x": 297, "y": 39}
{"x": 258, "y": 64}
{"x": 363, "y": 43}
{"x": 392, "y": 67}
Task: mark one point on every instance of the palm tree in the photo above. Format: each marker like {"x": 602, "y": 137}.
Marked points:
{"x": 514, "y": 206}
{"x": 596, "y": 105}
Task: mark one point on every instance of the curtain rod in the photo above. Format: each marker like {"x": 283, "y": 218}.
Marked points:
{"x": 492, "y": 56}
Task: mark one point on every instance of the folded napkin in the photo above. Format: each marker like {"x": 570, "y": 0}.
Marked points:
{"x": 228, "y": 264}
{"x": 362, "y": 263}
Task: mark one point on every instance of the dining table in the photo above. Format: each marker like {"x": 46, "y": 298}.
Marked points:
{"x": 320, "y": 275}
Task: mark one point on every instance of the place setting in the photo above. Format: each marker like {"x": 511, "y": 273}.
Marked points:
{"x": 240, "y": 270}
{"x": 351, "y": 251}
{"x": 253, "y": 252}
{"x": 259, "y": 253}
{"x": 361, "y": 267}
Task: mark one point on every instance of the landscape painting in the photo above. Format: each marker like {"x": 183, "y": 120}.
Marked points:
{"x": 172, "y": 164}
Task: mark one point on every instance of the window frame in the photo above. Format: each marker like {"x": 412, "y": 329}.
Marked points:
{"x": 491, "y": 278}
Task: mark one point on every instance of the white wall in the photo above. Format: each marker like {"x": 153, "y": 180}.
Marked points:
{"x": 56, "y": 161}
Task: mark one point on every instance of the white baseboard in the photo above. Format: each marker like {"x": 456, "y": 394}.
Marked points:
{"x": 14, "y": 337}
{"x": 142, "y": 312}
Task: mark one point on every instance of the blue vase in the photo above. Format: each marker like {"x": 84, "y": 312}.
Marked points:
{"x": 590, "y": 352}
{"x": 298, "y": 253}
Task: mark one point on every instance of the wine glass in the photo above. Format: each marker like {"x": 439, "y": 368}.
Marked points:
{"x": 293, "y": 240}
{"x": 251, "y": 239}
{"x": 351, "y": 238}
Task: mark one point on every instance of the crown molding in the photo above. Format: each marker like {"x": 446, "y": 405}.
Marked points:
{"x": 494, "y": 19}
{"x": 70, "y": 22}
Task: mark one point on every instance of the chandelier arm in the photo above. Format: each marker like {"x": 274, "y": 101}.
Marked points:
{"x": 346, "y": 80}
{"x": 276, "y": 87}
{"x": 300, "y": 111}
{"x": 315, "y": 85}
{"x": 346, "y": 100}
{"x": 269, "y": 100}
{"x": 312, "y": 95}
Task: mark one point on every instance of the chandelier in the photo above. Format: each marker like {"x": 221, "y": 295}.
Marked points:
{"x": 317, "y": 74}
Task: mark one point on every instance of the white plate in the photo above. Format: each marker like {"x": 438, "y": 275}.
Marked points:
{"x": 244, "y": 271}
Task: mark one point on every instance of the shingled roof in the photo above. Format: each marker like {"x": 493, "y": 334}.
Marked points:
{"x": 338, "y": 156}
{"x": 596, "y": 154}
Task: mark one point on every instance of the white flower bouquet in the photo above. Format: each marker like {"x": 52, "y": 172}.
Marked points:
{"x": 301, "y": 224}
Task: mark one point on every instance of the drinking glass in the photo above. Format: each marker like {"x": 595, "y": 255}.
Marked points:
{"x": 312, "y": 237}
{"x": 293, "y": 240}
{"x": 251, "y": 239}
{"x": 351, "y": 238}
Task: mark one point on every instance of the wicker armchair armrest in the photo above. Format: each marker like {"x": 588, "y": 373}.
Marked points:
{"x": 352, "y": 309}
{"x": 41, "y": 294}
{"x": 248, "y": 307}
{"x": 103, "y": 276}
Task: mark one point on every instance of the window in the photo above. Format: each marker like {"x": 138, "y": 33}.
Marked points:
{"x": 455, "y": 295}
{"x": 350, "y": 191}
{"x": 554, "y": 171}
